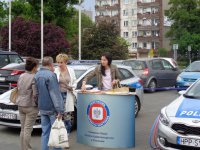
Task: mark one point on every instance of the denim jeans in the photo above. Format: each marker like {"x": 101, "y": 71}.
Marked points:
{"x": 46, "y": 122}
{"x": 66, "y": 120}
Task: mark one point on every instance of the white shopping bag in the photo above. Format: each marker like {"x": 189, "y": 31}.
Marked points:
{"x": 58, "y": 136}
{"x": 69, "y": 105}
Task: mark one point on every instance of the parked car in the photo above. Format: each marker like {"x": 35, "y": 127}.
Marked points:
{"x": 9, "y": 115}
{"x": 9, "y": 76}
{"x": 155, "y": 72}
{"x": 189, "y": 75}
{"x": 178, "y": 126}
{"x": 7, "y": 57}
{"x": 171, "y": 61}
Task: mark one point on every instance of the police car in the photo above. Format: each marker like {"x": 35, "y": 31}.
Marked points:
{"x": 179, "y": 122}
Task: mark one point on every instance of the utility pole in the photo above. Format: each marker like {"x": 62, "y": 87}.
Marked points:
{"x": 79, "y": 51}
{"x": 9, "y": 43}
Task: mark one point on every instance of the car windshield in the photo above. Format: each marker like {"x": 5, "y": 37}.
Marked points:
{"x": 194, "y": 67}
{"x": 137, "y": 65}
{"x": 78, "y": 73}
{"x": 194, "y": 91}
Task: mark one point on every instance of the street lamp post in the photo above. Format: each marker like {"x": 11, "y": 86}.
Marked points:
{"x": 42, "y": 30}
{"x": 9, "y": 43}
{"x": 189, "y": 53}
{"x": 79, "y": 51}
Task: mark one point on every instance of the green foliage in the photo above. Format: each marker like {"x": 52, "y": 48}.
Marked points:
{"x": 99, "y": 39}
{"x": 162, "y": 52}
{"x": 59, "y": 12}
{"x": 185, "y": 29}
{"x": 3, "y": 14}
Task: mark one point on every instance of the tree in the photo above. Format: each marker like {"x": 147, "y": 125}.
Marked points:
{"x": 185, "y": 15}
{"x": 98, "y": 39}
{"x": 60, "y": 12}
{"x": 3, "y": 13}
{"x": 26, "y": 37}
{"x": 162, "y": 52}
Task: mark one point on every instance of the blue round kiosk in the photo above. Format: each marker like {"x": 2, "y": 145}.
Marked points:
{"x": 105, "y": 120}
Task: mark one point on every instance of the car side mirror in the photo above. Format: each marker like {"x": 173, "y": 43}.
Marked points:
{"x": 89, "y": 87}
{"x": 182, "y": 92}
{"x": 175, "y": 69}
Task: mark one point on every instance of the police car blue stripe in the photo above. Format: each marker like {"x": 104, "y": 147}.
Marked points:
{"x": 189, "y": 108}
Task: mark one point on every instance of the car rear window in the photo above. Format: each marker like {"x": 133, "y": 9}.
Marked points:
{"x": 125, "y": 74}
{"x": 15, "y": 59}
{"x": 136, "y": 64}
{"x": 4, "y": 60}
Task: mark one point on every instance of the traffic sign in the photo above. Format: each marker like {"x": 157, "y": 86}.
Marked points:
{"x": 189, "y": 48}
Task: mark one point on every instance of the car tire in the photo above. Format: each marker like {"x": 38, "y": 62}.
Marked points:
{"x": 137, "y": 106}
{"x": 151, "y": 87}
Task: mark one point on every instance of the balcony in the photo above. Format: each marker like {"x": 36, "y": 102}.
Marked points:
{"x": 148, "y": 15}
{"x": 148, "y": 27}
{"x": 149, "y": 38}
{"x": 107, "y": 17}
{"x": 150, "y": 4}
{"x": 107, "y": 7}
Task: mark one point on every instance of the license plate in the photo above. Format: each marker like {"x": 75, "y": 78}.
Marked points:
{"x": 2, "y": 79}
{"x": 8, "y": 116}
{"x": 188, "y": 83}
{"x": 188, "y": 142}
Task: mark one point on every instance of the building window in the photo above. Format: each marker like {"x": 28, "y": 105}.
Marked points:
{"x": 114, "y": 13}
{"x": 134, "y": 22}
{"x": 113, "y": 2}
{"x": 126, "y": 1}
{"x": 155, "y": 33}
{"x": 125, "y": 12}
{"x": 134, "y": 34}
{"x": 144, "y": 45}
{"x": 134, "y": 11}
{"x": 134, "y": 45}
{"x": 125, "y": 34}
{"x": 125, "y": 23}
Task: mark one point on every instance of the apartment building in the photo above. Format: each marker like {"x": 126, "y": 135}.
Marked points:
{"x": 108, "y": 10}
{"x": 141, "y": 23}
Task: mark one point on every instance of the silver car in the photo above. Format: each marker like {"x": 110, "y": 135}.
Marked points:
{"x": 9, "y": 114}
{"x": 179, "y": 122}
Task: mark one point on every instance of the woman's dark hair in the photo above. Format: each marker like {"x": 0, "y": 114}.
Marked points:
{"x": 108, "y": 56}
{"x": 30, "y": 63}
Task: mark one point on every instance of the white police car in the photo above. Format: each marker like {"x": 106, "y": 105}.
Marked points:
{"x": 179, "y": 122}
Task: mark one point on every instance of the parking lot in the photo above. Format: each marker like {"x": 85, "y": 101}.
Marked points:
{"x": 151, "y": 107}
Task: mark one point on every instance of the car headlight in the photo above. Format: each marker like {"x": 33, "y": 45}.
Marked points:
{"x": 179, "y": 79}
{"x": 164, "y": 119}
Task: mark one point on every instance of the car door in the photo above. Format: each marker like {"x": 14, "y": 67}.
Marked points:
{"x": 157, "y": 72}
{"x": 170, "y": 73}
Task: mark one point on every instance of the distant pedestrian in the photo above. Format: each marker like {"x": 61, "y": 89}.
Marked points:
{"x": 27, "y": 102}
{"x": 67, "y": 81}
{"x": 50, "y": 101}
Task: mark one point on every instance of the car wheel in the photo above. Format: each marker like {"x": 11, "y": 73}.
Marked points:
{"x": 152, "y": 86}
{"x": 137, "y": 106}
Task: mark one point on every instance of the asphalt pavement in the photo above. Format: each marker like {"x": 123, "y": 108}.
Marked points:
{"x": 9, "y": 138}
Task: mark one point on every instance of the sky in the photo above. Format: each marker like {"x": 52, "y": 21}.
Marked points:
{"x": 89, "y": 4}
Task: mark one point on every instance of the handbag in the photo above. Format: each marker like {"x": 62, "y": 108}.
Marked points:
{"x": 69, "y": 105}
{"x": 13, "y": 95}
{"x": 58, "y": 136}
